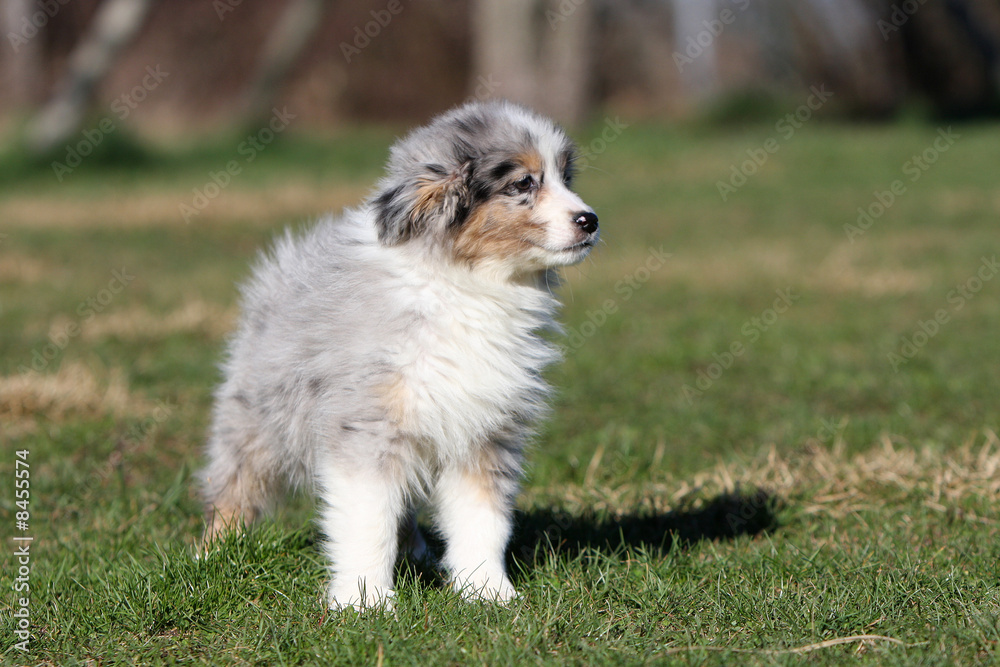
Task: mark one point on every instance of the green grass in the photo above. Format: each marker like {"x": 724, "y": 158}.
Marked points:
{"x": 810, "y": 492}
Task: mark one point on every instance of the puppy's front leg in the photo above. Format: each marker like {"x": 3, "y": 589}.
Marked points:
{"x": 360, "y": 518}
{"x": 473, "y": 512}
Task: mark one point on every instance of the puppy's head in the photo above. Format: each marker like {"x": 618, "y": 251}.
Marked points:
{"x": 489, "y": 184}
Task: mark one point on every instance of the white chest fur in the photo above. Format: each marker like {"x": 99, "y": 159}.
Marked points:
{"x": 470, "y": 365}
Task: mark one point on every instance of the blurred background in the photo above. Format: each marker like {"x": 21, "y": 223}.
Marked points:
{"x": 231, "y": 61}
{"x": 843, "y": 149}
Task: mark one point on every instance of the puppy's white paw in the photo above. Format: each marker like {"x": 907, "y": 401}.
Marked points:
{"x": 360, "y": 598}
{"x": 498, "y": 590}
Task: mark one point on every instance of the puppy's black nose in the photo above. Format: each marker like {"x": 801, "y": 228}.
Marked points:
{"x": 587, "y": 221}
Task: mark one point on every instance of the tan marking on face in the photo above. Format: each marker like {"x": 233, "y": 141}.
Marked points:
{"x": 497, "y": 229}
{"x": 531, "y": 161}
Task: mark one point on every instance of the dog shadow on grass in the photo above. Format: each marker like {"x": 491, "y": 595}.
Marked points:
{"x": 541, "y": 531}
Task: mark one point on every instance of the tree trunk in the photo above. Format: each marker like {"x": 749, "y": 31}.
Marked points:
{"x": 534, "y": 52}
{"x": 22, "y": 72}
{"x": 503, "y": 48}
{"x": 113, "y": 28}
{"x": 691, "y": 21}
{"x": 285, "y": 44}
{"x": 566, "y": 62}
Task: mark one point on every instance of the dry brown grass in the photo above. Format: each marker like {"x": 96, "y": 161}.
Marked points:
{"x": 819, "y": 479}
{"x": 723, "y": 269}
{"x": 845, "y": 269}
{"x": 74, "y": 389}
{"x": 15, "y": 268}
{"x": 289, "y": 201}
{"x": 967, "y": 201}
{"x": 137, "y": 323}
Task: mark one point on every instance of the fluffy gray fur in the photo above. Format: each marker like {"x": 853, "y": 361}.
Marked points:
{"x": 371, "y": 310}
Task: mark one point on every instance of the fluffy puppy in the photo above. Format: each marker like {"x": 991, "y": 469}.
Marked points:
{"x": 393, "y": 356}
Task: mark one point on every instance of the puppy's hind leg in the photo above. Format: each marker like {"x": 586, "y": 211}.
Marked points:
{"x": 239, "y": 482}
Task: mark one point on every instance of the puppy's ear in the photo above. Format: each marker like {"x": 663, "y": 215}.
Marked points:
{"x": 431, "y": 201}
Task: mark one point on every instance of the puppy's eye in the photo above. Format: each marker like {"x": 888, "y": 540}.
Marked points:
{"x": 524, "y": 184}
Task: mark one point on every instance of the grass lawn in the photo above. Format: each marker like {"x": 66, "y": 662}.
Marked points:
{"x": 775, "y": 430}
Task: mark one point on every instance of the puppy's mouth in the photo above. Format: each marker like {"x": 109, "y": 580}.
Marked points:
{"x": 587, "y": 243}
{"x": 583, "y": 246}
{"x": 572, "y": 254}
